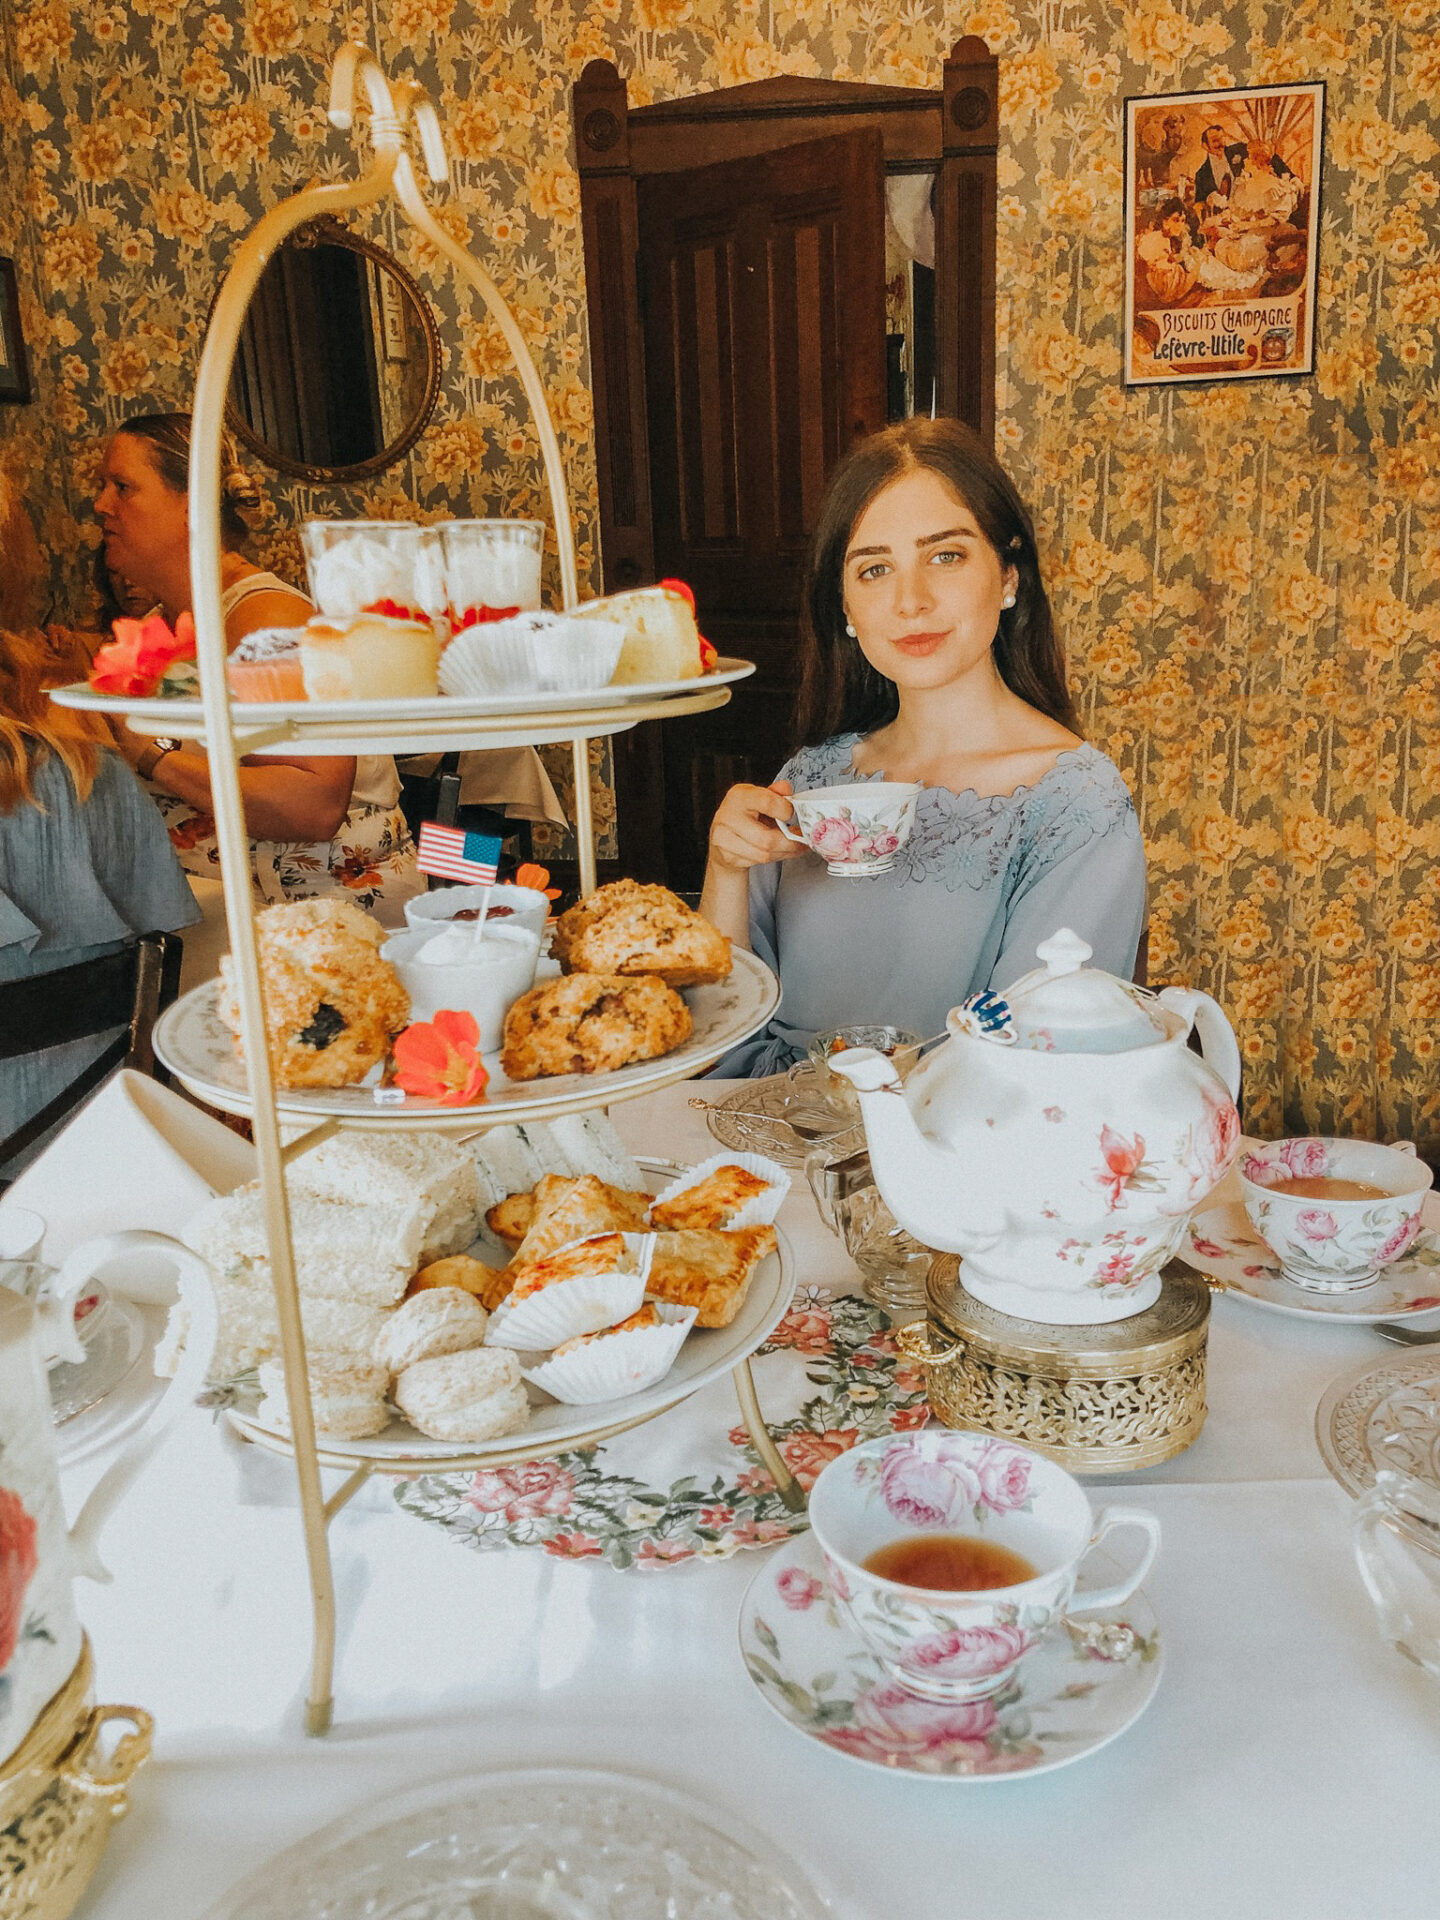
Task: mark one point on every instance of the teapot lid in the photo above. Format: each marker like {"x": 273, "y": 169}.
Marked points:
{"x": 1064, "y": 1006}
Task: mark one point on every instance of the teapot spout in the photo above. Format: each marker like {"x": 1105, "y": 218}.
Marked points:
{"x": 924, "y": 1185}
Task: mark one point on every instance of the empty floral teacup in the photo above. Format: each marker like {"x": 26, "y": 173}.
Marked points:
{"x": 856, "y": 830}
{"x": 1334, "y": 1212}
{"x": 996, "y": 1513}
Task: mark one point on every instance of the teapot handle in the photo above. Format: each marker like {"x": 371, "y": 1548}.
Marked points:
{"x": 203, "y": 1325}
{"x": 1218, "y": 1047}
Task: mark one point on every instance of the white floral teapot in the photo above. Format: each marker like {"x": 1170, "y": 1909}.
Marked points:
{"x": 1060, "y": 1138}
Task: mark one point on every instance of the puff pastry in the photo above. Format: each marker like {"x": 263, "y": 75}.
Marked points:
{"x": 709, "y": 1271}
{"x": 713, "y": 1202}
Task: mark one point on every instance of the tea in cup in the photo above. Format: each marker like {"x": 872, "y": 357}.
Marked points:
{"x": 955, "y": 1554}
{"x": 856, "y": 830}
{"x": 1334, "y": 1212}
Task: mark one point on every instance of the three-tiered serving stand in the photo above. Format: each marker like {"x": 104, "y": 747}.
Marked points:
{"x": 400, "y": 112}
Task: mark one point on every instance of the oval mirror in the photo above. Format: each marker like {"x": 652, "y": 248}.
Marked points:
{"x": 338, "y": 361}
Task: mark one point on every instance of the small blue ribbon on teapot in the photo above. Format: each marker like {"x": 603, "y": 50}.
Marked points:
{"x": 987, "y": 1015}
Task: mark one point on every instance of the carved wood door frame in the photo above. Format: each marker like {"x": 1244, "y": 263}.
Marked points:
{"x": 952, "y": 129}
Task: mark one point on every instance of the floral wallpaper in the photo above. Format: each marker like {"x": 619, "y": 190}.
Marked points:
{"x": 1248, "y": 575}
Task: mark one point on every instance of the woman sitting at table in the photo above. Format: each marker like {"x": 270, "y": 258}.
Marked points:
{"x": 320, "y": 825}
{"x": 928, "y": 654}
{"x": 84, "y": 862}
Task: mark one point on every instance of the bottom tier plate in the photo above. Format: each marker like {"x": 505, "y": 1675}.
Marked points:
{"x": 556, "y": 1428}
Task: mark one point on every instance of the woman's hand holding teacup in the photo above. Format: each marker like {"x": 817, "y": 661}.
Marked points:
{"x": 744, "y": 832}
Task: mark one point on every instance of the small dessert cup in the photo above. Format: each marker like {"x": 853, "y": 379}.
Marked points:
{"x": 1327, "y": 1244}
{"x": 509, "y": 906}
{"x": 534, "y": 652}
{"x": 445, "y": 967}
{"x": 374, "y": 566}
{"x": 492, "y": 569}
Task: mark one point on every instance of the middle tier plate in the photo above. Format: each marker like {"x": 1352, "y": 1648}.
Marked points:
{"x": 196, "y": 1045}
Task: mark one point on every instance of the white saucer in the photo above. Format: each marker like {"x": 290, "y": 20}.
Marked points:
{"x": 812, "y": 1668}
{"x": 1222, "y": 1243}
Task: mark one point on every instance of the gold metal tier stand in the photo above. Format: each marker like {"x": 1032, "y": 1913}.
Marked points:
{"x": 59, "y": 1798}
{"x": 399, "y": 112}
{"x": 1106, "y": 1399}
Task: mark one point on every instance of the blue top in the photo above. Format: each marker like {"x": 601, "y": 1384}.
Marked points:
{"x": 76, "y": 882}
{"x": 982, "y": 880}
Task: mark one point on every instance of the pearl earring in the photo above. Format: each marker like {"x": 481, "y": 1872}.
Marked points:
{"x": 1008, "y": 600}
{"x": 849, "y": 629}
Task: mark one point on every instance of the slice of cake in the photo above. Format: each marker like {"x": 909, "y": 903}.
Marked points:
{"x": 662, "y": 641}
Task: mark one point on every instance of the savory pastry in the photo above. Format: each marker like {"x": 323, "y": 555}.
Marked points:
{"x": 369, "y": 657}
{"x": 646, "y": 935}
{"x": 601, "y": 1253}
{"x": 475, "y": 1395}
{"x": 422, "y": 1170}
{"x": 712, "y": 1202}
{"x": 332, "y": 1004}
{"x": 709, "y": 1271}
{"x": 646, "y": 1316}
{"x": 489, "y": 1285}
{"x": 438, "y": 1320}
{"x": 566, "y": 1210}
{"x": 348, "y": 1400}
{"x": 266, "y": 666}
{"x": 662, "y": 641}
{"x": 615, "y": 893}
{"x": 590, "y": 1023}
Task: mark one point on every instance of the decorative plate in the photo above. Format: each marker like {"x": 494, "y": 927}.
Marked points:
{"x": 195, "y": 1044}
{"x": 562, "y": 1844}
{"x": 1068, "y": 1699}
{"x": 1222, "y": 1244}
{"x": 786, "y": 1117}
{"x": 1384, "y": 1414}
{"x": 353, "y": 726}
{"x": 553, "y": 1428}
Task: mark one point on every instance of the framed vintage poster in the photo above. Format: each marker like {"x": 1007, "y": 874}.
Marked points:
{"x": 14, "y": 373}
{"x": 1222, "y": 220}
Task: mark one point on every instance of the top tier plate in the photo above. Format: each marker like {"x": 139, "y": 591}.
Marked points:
{"x": 425, "y": 726}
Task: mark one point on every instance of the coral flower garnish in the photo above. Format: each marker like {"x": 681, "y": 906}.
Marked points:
{"x": 439, "y": 1059}
{"x": 134, "y": 662}
{"x": 529, "y": 874}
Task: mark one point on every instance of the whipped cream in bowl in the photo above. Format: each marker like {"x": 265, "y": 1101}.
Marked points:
{"x": 466, "y": 967}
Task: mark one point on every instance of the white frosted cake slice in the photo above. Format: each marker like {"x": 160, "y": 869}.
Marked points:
{"x": 662, "y": 641}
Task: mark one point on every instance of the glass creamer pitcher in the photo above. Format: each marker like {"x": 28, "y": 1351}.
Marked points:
{"x": 1397, "y": 1546}
{"x": 895, "y": 1265}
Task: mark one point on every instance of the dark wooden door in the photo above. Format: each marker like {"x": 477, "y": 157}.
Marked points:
{"x": 761, "y": 285}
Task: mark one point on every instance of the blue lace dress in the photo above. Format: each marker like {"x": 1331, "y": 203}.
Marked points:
{"x": 980, "y": 883}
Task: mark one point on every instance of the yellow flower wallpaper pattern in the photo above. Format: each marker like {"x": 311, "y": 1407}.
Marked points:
{"x": 1247, "y": 575}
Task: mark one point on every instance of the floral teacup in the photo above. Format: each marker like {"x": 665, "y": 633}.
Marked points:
{"x": 856, "y": 830}
{"x": 1325, "y": 1243}
{"x": 961, "y": 1645}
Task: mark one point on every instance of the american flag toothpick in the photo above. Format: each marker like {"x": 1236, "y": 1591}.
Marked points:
{"x": 453, "y": 854}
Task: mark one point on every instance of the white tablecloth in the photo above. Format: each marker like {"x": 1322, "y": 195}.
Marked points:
{"x": 1286, "y": 1767}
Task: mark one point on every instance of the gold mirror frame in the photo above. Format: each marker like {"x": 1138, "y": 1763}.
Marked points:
{"x": 326, "y": 230}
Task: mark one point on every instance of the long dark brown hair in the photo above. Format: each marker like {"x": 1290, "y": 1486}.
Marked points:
{"x": 840, "y": 692}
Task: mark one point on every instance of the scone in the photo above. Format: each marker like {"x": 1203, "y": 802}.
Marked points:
{"x": 475, "y": 1395}
{"x": 435, "y": 1321}
{"x": 646, "y": 934}
{"x": 332, "y": 1005}
{"x": 348, "y": 1400}
{"x": 615, "y": 893}
{"x": 709, "y": 1271}
{"x": 591, "y": 1023}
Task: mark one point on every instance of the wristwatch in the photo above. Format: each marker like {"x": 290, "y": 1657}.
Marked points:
{"x": 152, "y": 756}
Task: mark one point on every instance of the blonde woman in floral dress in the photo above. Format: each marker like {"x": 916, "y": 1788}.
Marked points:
{"x": 928, "y": 655}
{"x": 319, "y": 826}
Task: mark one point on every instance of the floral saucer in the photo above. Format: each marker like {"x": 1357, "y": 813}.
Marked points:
{"x": 1071, "y": 1697}
{"x": 1222, "y": 1244}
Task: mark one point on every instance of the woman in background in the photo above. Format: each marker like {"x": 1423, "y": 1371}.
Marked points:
{"x": 85, "y": 866}
{"x": 318, "y": 825}
{"x": 928, "y": 654}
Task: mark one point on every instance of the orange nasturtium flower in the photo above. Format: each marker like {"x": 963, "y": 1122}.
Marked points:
{"x": 531, "y": 875}
{"x": 440, "y": 1059}
{"x": 134, "y": 662}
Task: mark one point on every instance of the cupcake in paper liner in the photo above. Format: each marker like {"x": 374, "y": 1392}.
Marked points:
{"x": 618, "y": 1360}
{"x": 580, "y": 1288}
{"x": 531, "y": 653}
{"x": 724, "y": 1193}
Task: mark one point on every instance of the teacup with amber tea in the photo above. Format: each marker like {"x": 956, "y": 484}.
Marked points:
{"x": 1334, "y": 1212}
{"x": 955, "y": 1554}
